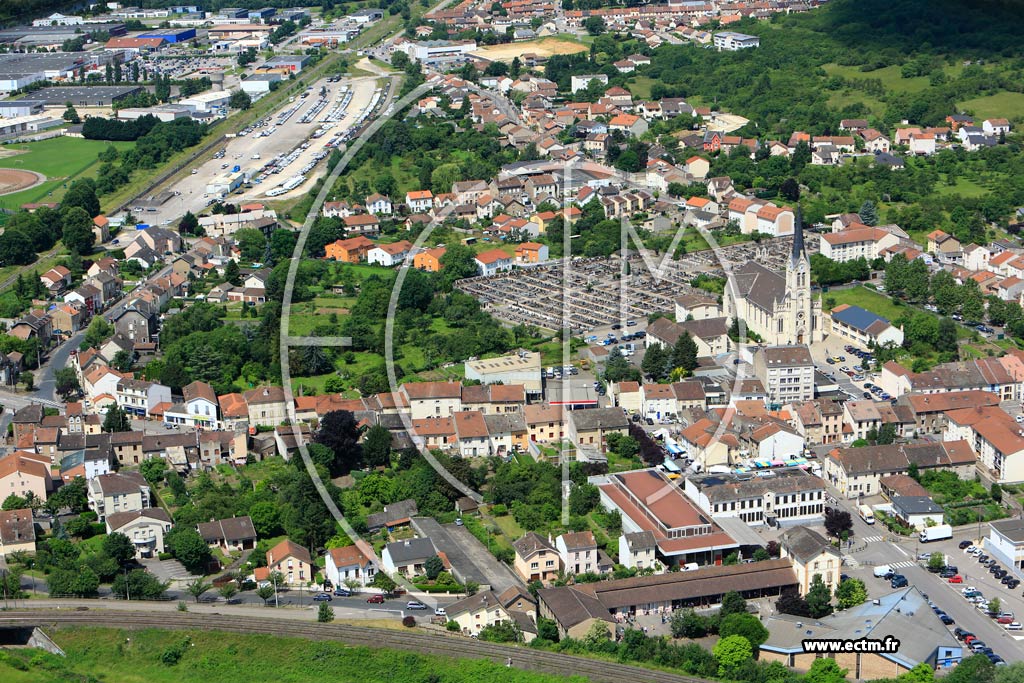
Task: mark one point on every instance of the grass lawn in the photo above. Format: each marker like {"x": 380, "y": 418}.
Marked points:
{"x": 1000, "y": 105}
{"x": 102, "y": 654}
{"x": 890, "y": 77}
{"x": 844, "y": 98}
{"x": 61, "y": 160}
{"x": 869, "y": 300}
{"x": 640, "y": 86}
{"x": 964, "y": 187}
{"x": 509, "y": 526}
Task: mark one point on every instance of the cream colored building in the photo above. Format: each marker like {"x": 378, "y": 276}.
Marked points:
{"x": 536, "y": 559}
{"x": 778, "y": 308}
{"x": 812, "y": 555}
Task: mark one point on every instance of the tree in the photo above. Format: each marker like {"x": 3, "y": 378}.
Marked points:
{"x": 377, "y": 446}
{"x": 228, "y": 591}
{"x": 66, "y": 382}
{"x": 501, "y": 632}
{"x": 189, "y": 548}
{"x": 82, "y": 194}
{"x": 790, "y": 602}
{"x": 70, "y": 115}
{"x": 77, "y": 232}
{"x": 325, "y": 613}
{"x": 684, "y": 353}
{"x": 153, "y": 470}
{"x": 825, "y": 670}
{"x": 232, "y": 274}
{"x": 869, "y": 213}
{"x": 79, "y": 582}
{"x": 946, "y": 338}
{"x": 732, "y": 653}
{"x": 339, "y": 431}
{"x": 139, "y": 584}
{"x": 995, "y": 605}
{"x": 838, "y": 521}
{"x": 29, "y": 380}
{"x": 688, "y": 624}
{"x": 433, "y": 567}
{"x": 746, "y": 625}
{"x": 116, "y": 420}
{"x": 594, "y": 25}
{"x": 818, "y": 598}
{"x": 384, "y": 582}
{"x": 937, "y": 562}
{"x": 790, "y": 189}
{"x": 266, "y": 518}
{"x": 252, "y": 243}
{"x": 197, "y": 588}
{"x": 265, "y": 593}
{"x": 851, "y": 593}
{"x": 119, "y": 548}
{"x": 123, "y": 360}
{"x": 97, "y": 332}
{"x": 240, "y": 100}
{"x": 732, "y": 603}
{"x": 189, "y": 225}
{"x": 996, "y": 492}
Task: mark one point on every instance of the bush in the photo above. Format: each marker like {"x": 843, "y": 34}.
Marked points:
{"x": 453, "y": 626}
{"x": 409, "y": 622}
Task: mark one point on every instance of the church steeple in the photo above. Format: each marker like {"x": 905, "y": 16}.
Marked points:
{"x": 799, "y": 252}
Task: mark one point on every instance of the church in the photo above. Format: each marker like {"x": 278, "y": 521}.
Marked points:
{"x": 778, "y": 308}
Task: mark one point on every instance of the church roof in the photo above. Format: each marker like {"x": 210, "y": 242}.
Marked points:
{"x": 798, "y": 237}
{"x": 759, "y": 285}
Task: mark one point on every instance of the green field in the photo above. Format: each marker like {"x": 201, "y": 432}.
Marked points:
{"x": 1000, "y": 105}
{"x": 889, "y": 76}
{"x": 142, "y": 657}
{"x": 59, "y": 159}
{"x": 963, "y": 187}
{"x": 869, "y": 300}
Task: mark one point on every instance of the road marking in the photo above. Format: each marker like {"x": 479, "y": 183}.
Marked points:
{"x": 901, "y": 565}
{"x": 871, "y": 539}
{"x": 902, "y": 551}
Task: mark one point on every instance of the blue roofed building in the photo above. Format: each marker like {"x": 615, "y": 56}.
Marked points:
{"x": 902, "y": 616}
{"x": 862, "y": 327}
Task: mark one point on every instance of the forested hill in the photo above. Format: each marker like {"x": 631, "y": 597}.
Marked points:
{"x": 882, "y": 59}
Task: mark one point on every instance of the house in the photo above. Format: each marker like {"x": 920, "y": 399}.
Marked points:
{"x": 812, "y": 555}
{"x": 590, "y": 428}
{"x": 944, "y": 245}
{"x": 862, "y": 327}
{"x": 857, "y": 241}
{"x": 996, "y": 126}
{"x": 394, "y": 515}
{"x": 407, "y": 557}
{"x": 200, "y": 403}
{"x": 419, "y": 201}
{"x": 17, "y": 532}
{"x": 578, "y": 552}
{"x": 638, "y": 550}
{"x": 267, "y": 406}
{"x": 855, "y": 472}
{"x": 492, "y": 262}
{"x": 349, "y": 566}
{"x": 293, "y": 562}
{"x": 629, "y": 124}
{"x": 536, "y": 558}
{"x": 432, "y": 399}
{"x": 696, "y": 307}
{"x": 378, "y": 205}
{"x": 144, "y": 528}
{"x": 120, "y": 492}
{"x": 389, "y": 254}
{"x": 25, "y": 475}
{"x": 531, "y": 252}
{"x": 56, "y": 279}
{"x": 351, "y": 250}
{"x": 361, "y": 224}
{"x": 479, "y": 611}
{"x": 917, "y": 512}
{"x": 429, "y": 260}
{"x": 230, "y": 535}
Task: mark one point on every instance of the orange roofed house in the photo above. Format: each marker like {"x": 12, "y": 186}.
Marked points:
{"x": 531, "y": 252}
{"x": 429, "y": 259}
{"x": 292, "y": 560}
{"x": 352, "y": 250}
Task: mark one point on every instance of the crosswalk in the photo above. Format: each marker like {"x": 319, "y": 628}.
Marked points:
{"x": 871, "y": 539}
{"x": 902, "y": 565}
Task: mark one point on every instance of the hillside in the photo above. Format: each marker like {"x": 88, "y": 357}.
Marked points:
{"x": 154, "y": 656}
{"x": 857, "y": 58}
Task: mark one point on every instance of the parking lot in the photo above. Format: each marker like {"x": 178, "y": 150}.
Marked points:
{"x": 253, "y": 151}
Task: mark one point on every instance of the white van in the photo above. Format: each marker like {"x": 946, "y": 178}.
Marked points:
{"x": 882, "y": 570}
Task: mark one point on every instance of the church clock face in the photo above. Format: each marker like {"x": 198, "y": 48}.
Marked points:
{"x": 800, "y": 316}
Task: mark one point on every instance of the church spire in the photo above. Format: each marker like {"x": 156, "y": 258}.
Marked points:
{"x": 798, "y": 238}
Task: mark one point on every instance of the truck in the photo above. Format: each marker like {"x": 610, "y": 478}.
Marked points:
{"x": 866, "y": 514}
{"x": 938, "y": 532}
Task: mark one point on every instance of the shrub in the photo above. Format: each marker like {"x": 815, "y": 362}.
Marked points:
{"x": 453, "y": 626}
{"x": 409, "y": 621}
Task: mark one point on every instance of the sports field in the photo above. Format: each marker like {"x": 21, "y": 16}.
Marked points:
{"x": 59, "y": 159}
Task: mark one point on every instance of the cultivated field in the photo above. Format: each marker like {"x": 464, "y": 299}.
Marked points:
{"x": 545, "y": 47}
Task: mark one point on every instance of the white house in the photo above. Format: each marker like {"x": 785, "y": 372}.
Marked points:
{"x": 389, "y": 254}
{"x": 201, "y": 403}
{"x": 145, "y": 528}
{"x": 493, "y": 262}
{"x": 578, "y": 551}
{"x": 348, "y": 564}
{"x": 419, "y": 201}
{"x": 378, "y": 205}
{"x": 995, "y": 126}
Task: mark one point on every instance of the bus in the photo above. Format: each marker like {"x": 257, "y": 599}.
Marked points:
{"x": 866, "y": 514}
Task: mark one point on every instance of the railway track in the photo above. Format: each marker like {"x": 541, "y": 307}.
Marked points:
{"x": 423, "y": 643}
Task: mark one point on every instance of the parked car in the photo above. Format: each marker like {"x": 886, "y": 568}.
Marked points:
{"x": 956, "y": 579}
{"x": 961, "y": 633}
{"x": 946, "y": 619}
{"x": 342, "y": 592}
{"x": 1004, "y": 620}
{"x": 439, "y": 612}
{"x": 1013, "y": 626}
{"x": 375, "y": 599}
{"x": 415, "y": 604}
{"x": 965, "y": 545}
{"x": 322, "y": 597}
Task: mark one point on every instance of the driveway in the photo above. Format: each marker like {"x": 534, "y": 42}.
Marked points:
{"x": 168, "y": 570}
{"x": 469, "y": 558}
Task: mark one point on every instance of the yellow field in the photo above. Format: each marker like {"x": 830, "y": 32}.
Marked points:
{"x": 544, "y": 47}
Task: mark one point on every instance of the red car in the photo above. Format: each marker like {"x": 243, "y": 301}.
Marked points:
{"x": 956, "y": 579}
{"x": 1004, "y": 620}
{"x": 970, "y": 639}
{"x": 378, "y": 599}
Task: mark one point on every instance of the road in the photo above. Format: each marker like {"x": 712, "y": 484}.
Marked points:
{"x": 872, "y": 547}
